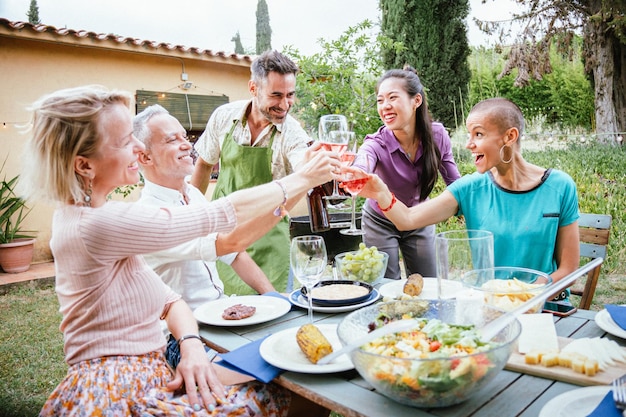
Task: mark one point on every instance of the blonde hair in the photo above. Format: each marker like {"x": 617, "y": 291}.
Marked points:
{"x": 65, "y": 124}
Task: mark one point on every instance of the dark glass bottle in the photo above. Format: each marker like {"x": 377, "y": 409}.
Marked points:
{"x": 318, "y": 211}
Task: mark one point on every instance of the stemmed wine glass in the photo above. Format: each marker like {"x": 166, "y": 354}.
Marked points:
{"x": 353, "y": 183}
{"x": 308, "y": 261}
{"x": 332, "y": 135}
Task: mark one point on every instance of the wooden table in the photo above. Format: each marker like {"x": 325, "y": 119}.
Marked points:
{"x": 508, "y": 394}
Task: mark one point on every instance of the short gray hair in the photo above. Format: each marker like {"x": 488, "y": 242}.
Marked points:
{"x": 271, "y": 61}
{"x": 140, "y": 123}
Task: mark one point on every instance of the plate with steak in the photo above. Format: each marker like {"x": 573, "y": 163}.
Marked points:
{"x": 242, "y": 311}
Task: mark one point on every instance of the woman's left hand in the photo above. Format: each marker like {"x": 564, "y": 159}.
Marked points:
{"x": 197, "y": 373}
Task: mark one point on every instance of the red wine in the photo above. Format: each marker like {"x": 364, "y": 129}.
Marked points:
{"x": 318, "y": 211}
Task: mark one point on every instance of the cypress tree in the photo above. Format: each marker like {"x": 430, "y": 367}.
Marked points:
{"x": 33, "y": 13}
{"x": 434, "y": 36}
{"x": 263, "y": 29}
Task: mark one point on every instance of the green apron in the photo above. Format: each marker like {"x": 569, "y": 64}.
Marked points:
{"x": 244, "y": 167}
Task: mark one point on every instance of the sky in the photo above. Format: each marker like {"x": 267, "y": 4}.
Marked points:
{"x": 211, "y": 24}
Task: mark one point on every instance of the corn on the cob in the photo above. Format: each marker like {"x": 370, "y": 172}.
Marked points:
{"x": 313, "y": 343}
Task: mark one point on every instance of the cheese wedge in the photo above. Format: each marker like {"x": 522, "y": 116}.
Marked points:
{"x": 538, "y": 333}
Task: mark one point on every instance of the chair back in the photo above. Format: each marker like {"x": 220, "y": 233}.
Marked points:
{"x": 594, "y": 232}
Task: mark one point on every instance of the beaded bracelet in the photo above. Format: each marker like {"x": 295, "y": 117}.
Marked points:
{"x": 188, "y": 336}
{"x": 393, "y": 201}
{"x": 281, "y": 211}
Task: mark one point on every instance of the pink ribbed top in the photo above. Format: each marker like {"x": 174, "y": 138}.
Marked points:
{"x": 110, "y": 299}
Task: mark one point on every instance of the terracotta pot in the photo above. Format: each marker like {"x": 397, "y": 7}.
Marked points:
{"x": 16, "y": 256}
{"x": 336, "y": 243}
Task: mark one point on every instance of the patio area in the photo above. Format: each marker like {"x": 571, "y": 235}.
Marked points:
{"x": 39, "y": 273}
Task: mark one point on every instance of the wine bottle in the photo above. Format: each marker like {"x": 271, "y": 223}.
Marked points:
{"x": 318, "y": 211}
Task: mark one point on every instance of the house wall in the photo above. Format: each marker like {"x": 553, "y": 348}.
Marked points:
{"x": 31, "y": 68}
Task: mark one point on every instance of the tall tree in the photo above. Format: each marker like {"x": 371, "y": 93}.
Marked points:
{"x": 434, "y": 36}
{"x": 33, "y": 13}
{"x": 603, "y": 27}
{"x": 238, "y": 45}
{"x": 263, "y": 29}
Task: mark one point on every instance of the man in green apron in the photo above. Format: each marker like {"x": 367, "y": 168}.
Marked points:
{"x": 256, "y": 141}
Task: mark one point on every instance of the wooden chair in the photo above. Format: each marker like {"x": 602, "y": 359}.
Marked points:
{"x": 594, "y": 237}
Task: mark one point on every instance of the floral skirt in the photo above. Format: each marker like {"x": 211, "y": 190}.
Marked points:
{"x": 115, "y": 386}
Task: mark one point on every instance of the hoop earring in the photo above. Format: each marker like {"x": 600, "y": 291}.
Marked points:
{"x": 87, "y": 198}
{"x": 508, "y": 161}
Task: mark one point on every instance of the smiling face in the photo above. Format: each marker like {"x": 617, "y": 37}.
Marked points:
{"x": 395, "y": 107}
{"x": 168, "y": 160}
{"x": 115, "y": 162}
{"x": 273, "y": 97}
{"x": 485, "y": 140}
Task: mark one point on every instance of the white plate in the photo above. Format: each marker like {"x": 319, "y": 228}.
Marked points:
{"x": 281, "y": 350}
{"x": 605, "y": 322}
{"x": 267, "y": 308}
{"x": 575, "y": 403}
{"x": 298, "y": 300}
{"x": 429, "y": 292}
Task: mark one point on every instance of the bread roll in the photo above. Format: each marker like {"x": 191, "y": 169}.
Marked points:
{"x": 413, "y": 285}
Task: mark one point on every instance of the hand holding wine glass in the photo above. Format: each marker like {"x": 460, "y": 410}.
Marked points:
{"x": 308, "y": 261}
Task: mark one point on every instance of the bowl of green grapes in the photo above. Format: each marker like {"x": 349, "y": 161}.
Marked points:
{"x": 367, "y": 264}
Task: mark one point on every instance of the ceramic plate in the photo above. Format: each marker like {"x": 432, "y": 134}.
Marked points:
{"x": 575, "y": 403}
{"x": 297, "y": 299}
{"x": 429, "y": 291}
{"x": 328, "y": 302}
{"x": 606, "y": 323}
{"x": 267, "y": 308}
{"x": 281, "y": 350}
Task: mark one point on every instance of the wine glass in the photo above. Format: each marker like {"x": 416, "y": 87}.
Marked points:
{"x": 353, "y": 183}
{"x": 308, "y": 262}
{"x": 333, "y": 135}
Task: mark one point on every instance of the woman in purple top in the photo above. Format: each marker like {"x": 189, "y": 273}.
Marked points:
{"x": 407, "y": 153}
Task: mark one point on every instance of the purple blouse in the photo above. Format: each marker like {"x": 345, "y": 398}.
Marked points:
{"x": 386, "y": 158}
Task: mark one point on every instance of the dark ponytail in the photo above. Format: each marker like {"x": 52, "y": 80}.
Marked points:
{"x": 423, "y": 127}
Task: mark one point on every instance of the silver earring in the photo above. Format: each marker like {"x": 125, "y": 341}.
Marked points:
{"x": 87, "y": 198}
{"x": 502, "y": 154}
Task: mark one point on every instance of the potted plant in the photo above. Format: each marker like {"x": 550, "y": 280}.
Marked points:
{"x": 16, "y": 244}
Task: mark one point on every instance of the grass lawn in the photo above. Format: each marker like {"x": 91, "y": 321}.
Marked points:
{"x": 31, "y": 346}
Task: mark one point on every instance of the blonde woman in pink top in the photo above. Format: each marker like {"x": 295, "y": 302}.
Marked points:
{"x": 81, "y": 149}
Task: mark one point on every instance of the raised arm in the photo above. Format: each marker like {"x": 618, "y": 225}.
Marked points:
{"x": 201, "y": 175}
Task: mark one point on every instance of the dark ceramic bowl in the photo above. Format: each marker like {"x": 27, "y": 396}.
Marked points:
{"x": 337, "y": 300}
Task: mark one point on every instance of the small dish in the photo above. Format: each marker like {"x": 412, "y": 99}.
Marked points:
{"x": 338, "y": 293}
{"x": 605, "y": 322}
{"x": 298, "y": 300}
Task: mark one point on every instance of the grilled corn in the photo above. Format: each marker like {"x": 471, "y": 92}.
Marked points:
{"x": 313, "y": 343}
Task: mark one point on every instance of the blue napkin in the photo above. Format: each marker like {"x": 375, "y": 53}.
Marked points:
{"x": 606, "y": 408}
{"x": 618, "y": 314}
{"x": 279, "y": 295}
{"x": 247, "y": 359}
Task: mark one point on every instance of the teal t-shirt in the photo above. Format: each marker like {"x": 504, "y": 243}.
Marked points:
{"x": 524, "y": 224}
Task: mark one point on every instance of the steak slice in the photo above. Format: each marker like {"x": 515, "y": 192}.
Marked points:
{"x": 238, "y": 312}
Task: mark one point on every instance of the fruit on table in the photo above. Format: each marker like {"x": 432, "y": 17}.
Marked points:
{"x": 365, "y": 264}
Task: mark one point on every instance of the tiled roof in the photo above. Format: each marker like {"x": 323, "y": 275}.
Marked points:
{"x": 30, "y": 31}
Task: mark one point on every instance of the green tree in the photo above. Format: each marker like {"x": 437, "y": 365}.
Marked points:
{"x": 263, "y": 29}
{"x": 341, "y": 79}
{"x": 238, "y": 46}
{"x": 603, "y": 26}
{"x": 434, "y": 36}
{"x": 33, "y": 13}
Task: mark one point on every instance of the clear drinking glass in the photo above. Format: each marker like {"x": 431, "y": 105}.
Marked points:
{"x": 334, "y": 136}
{"x": 353, "y": 183}
{"x": 458, "y": 252}
{"x": 308, "y": 262}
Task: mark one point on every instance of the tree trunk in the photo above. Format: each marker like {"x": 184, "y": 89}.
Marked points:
{"x": 601, "y": 60}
